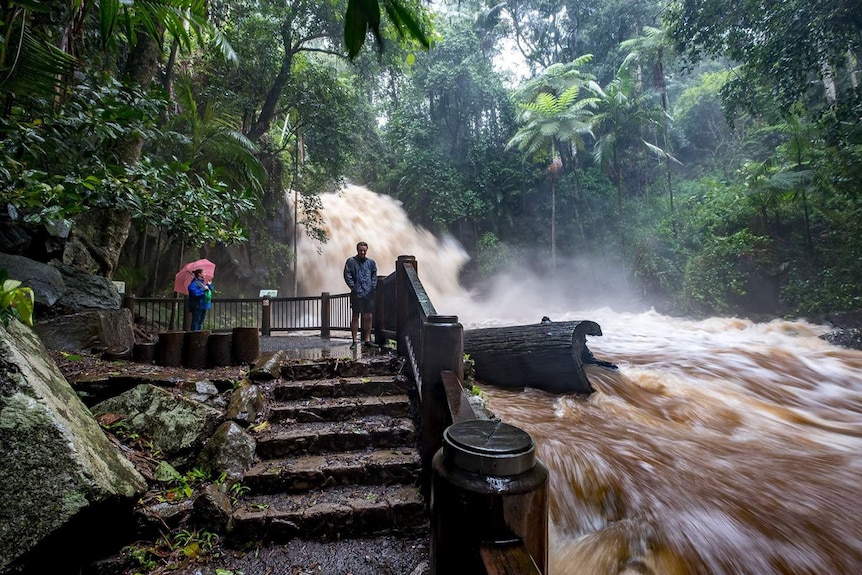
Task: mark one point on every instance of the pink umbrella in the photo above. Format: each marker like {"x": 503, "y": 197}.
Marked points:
{"x": 184, "y": 276}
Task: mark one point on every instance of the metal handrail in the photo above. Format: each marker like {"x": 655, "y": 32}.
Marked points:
{"x": 284, "y": 314}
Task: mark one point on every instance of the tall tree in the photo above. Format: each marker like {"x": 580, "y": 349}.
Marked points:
{"x": 551, "y": 121}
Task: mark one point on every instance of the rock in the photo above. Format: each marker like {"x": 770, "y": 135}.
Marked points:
{"x": 151, "y": 520}
{"x": 212, "y": 508}
{"x": 88, "y": 331}
{"x": 13, "y": 238}
{"x": 96, "y": 240}
{"x": 57, "y": 467}
{"x": 246, "y": 402}
{"x": 85, "y": 290}
{"x": 45, "y": 281}
{"x": 176, "y": 425}
{"x": 230, "y": 450}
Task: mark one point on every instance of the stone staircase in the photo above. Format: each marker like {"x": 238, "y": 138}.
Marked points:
{"x": 337, "y": 458}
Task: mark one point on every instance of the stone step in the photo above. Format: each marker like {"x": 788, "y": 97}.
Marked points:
{"x": 339, "y": 408}
{"x": 340, "y": 387}
{"x": 329, "y": 514}
{"x": 380, "y": 431}
{"x": 370, "y": 467}
{"x": 383, "y": 364}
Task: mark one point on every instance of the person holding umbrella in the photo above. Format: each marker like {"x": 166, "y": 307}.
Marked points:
{"x": 200, "y": 296}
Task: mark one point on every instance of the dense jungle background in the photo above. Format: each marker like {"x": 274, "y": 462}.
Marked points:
{"x": 709, "y": 150}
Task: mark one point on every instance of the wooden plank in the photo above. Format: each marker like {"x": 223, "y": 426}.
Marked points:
{"x": 507, "y": 560}
{"x": 459, "y": 406}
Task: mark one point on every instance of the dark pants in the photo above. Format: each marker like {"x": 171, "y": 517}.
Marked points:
{"x": 198, "y": 316}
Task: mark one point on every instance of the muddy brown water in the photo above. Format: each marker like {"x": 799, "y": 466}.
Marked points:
{"x": 720, "y": 447}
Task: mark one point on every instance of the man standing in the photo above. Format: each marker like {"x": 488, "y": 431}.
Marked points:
{"x": 360, "y": 274}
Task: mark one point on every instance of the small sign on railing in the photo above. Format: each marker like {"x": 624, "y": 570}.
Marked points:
{"x": 268, "y": 293}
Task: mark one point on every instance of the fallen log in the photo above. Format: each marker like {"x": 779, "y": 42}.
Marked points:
{"x": 548, "y": 355}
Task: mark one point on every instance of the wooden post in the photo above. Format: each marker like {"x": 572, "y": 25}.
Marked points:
{"x": 195, "y": 349}
{"x": 265, "y": 317}
{"x": 219, "y": 349}
{"x": 442, "y": 350}
{"x": 171, "y": 348}
{"x": 245, "y": 345}
{"x": 187, "y": 315}
{"x": 325, "y": 318}
{"x": 129, "y": 304}
{"x": 402, "y": 303}
{"x": 490, "y": 498}
{"x": 145, "y": 352}
{"x": 379, "y": 323}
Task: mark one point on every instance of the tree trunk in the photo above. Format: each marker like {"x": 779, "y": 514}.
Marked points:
{"x": 547, "y": 356}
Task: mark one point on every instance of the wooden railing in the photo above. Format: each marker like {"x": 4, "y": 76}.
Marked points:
{"x": 322, "y": 313}
{"x": 432, "y": 345}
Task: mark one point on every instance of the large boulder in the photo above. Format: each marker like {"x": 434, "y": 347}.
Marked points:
{"x": 85, "y": 290}
{"x": 88, "y": 331}
{"x": 45, "y": 281}
{"x": 57, "y": 468}
{"x": 176, "y": 425}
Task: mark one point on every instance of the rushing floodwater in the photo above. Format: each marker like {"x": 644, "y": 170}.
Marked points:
{"x": 720, "y": 446}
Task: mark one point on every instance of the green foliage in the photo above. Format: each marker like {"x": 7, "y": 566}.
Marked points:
{"x": 469, "y": 371}
{"x": 60, "y": 164}
{"x": 719, "y": 278}
{"x": 16, "y": 302}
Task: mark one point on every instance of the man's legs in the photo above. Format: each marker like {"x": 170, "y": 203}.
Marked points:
{"x": 366, "y": 327}
{"x": 354, "y": 325}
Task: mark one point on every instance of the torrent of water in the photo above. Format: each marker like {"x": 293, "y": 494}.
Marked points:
{"x": 720, "y": 446}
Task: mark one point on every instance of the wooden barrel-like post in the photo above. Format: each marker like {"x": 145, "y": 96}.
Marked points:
{"x": 265, "y": 317}
{"x": 171, "y": 348}
{"x": 129, "y": 303}
{"x": 219, "y": 349}
{"x": 245, "y": 345}
{"x": 195, "y": 349}
{"x": 145, "y": 352}
{"x": 442, "y": 350}
{"x": 325, "y": 317}
{"x": 490, "y": 501}
{"x": 402, "y": 300}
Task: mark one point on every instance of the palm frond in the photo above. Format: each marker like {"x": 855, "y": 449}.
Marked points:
{"x": 33, "y": 67}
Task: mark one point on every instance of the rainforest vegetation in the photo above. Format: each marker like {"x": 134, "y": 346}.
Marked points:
{"x": 710, "y": 149}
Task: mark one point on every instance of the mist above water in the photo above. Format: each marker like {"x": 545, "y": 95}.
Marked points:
{"x": 720, "y": 446}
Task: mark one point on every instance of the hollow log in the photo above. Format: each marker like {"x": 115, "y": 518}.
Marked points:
{"x": 246, "y": 345}
{"x": 548, "y": 356}
{"x": 171, "y": 348}
{"x": 195, "y": 349}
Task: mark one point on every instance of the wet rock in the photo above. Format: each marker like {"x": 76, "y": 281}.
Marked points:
{"x": 56, "y": 465}
{"x": 88, "y": 331}
{"x": 246, "y": 403}
{"x": 230, "y": 450}
{"x": 212, "y": 507}
{"x": 45, "y": 281}
{"x": 176, "y": 425}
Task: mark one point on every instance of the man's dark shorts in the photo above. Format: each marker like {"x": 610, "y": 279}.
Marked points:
{"x": 362, "y": 304}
